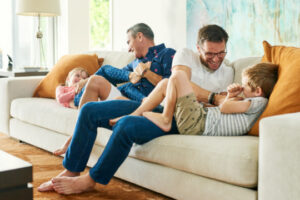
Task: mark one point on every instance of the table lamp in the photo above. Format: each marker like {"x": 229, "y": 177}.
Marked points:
{"x": 39, "y": 8}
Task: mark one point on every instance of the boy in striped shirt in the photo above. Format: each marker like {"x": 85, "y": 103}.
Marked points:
{"x": 234, "y": 117}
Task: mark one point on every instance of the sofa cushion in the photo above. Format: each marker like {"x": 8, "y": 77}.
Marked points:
{"x": 230, "y": 159}
{"x": 46, "y": 113}
{"x": 117, "y": 59}
{"x": 285, "y": 95}
{"x": 59, "y": 72}
{"x": 240, "y": 64}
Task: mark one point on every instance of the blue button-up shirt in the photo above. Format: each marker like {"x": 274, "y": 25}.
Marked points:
{"x": 161, "y": 58}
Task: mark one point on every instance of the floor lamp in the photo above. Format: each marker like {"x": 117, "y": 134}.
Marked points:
{"x": 39, "y": 8}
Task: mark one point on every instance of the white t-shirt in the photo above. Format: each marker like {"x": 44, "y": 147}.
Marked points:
{"x": 215, "y": 81}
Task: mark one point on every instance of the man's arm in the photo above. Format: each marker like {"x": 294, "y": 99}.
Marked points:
{"x": 165, "y": 61}
{"x": 143, "y": 71}
{"x": 152, "y": 77}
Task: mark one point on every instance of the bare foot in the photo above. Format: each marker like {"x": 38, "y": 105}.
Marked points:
{"x": 64, "y": 148}
{"x": 112, "y": 122}
{"x": 73, "y": 185}
{"x": 60, "y": 151}
{"x": 48, "y": 186}
{"x": 159, "y": 120}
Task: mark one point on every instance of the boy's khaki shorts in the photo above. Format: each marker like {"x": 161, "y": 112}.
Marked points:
{"x": 190, "y": 115}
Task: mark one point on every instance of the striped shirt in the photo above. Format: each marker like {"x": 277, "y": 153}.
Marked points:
{"x": 220, "y": 124}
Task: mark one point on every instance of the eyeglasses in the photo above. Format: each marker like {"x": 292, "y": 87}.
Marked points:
{"x": 221, "y": 54}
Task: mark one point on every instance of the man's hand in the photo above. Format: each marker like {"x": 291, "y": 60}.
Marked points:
{"x": 142, "y": 68}
{"x": 134, "y": 77}
{"x": 80, "y": 85}
{"x": 234, "y": 90}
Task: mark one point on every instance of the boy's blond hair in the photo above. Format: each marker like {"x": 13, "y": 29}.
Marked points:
{"x": 263, "y": 75}
{"x": 76, "y": 69}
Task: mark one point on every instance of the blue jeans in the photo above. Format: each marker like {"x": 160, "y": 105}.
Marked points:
{"x": 78, "y": 97}
{"x": 128, "y": 130}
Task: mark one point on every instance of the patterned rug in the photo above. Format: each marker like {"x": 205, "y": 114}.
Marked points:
{"x": 46, "y": 166}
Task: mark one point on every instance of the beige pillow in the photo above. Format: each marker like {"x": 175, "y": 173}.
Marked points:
{"x": 285, "y": 95}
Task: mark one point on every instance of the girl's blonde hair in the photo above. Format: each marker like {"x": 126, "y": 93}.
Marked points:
{"x": 76, "y": 69}
{"x": 263, "y": 75}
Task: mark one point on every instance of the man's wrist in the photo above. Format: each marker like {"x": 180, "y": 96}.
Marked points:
{"x": 211, "y": 98}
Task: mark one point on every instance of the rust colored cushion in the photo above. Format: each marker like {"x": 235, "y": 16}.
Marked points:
{"x": 59, "y": 72}
{"x": 285, "y": 97}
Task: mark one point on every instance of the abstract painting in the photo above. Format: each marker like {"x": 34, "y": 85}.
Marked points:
{"x": 248, "y": 23}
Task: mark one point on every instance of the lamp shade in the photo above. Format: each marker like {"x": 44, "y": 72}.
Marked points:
{"x": 46, "y": 8}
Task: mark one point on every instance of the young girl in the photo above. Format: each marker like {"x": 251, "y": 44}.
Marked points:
{"x": 69, "y": 94}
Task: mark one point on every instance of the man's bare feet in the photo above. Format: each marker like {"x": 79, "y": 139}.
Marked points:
{"x": 159, "y": 120}
{"x": 73, "y": 185}
{"x": 48, "y": 186}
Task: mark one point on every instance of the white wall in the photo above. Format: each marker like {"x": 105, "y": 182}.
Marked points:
{"x": 167, "y": 18}
{"x": 74, "y": 28}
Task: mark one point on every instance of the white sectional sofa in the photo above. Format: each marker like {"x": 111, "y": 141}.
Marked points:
{"x": 182, "y": 167}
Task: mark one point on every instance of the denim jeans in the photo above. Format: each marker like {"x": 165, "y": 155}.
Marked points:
{"x": 113, "y": 75}
{"x": 78, "y": 97}
{"x": 128, "y": 130}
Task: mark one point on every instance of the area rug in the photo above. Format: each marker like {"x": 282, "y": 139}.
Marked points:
{"x": 46, "y": 166}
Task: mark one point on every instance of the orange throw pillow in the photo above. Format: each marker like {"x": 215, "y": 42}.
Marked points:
{"x": 59, "y": 72}
{"x": 285, "y": 95}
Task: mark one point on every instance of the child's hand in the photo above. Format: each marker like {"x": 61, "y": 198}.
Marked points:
{"x": 134, "y": 77}
{"x": 142, "y": 67}
{"x": 234, "y": 90}
{"x": 80, "y": 85}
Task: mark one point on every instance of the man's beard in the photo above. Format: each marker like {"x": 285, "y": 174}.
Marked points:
{"x": 205, "y": 63}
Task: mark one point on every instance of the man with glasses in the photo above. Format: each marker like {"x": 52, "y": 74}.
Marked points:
{"x": 207, "y": 68}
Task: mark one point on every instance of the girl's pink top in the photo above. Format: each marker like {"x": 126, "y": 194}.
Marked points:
{"x": 65, "y": 94}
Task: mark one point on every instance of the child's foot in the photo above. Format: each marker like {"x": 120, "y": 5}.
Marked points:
{"x": 159, "y": 120}
{"x": 112, "y": 122}
{"x": 60, "y": 151}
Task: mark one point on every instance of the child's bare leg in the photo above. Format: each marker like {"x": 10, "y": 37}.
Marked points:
{"x": 96, "y": 87}
{"x": 178, "y": 86}
{"x": 64, "y": 148}
{"x": 154, "y": 98}
{"x": 149, "y": 103}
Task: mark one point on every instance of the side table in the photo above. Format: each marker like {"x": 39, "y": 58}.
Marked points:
{"x": 21, "y": 72}
{"x": 15, "y": 178}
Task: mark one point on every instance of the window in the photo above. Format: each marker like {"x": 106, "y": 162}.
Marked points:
{"x": 100, "y": 27}
{"x": 27, "y": 49}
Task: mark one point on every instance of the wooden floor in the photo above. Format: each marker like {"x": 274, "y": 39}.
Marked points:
{"x": 46, "y": 166}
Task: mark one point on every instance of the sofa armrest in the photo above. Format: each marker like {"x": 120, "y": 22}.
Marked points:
{"x": 12, "y": 88}
{"x": 279, "y": 157}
